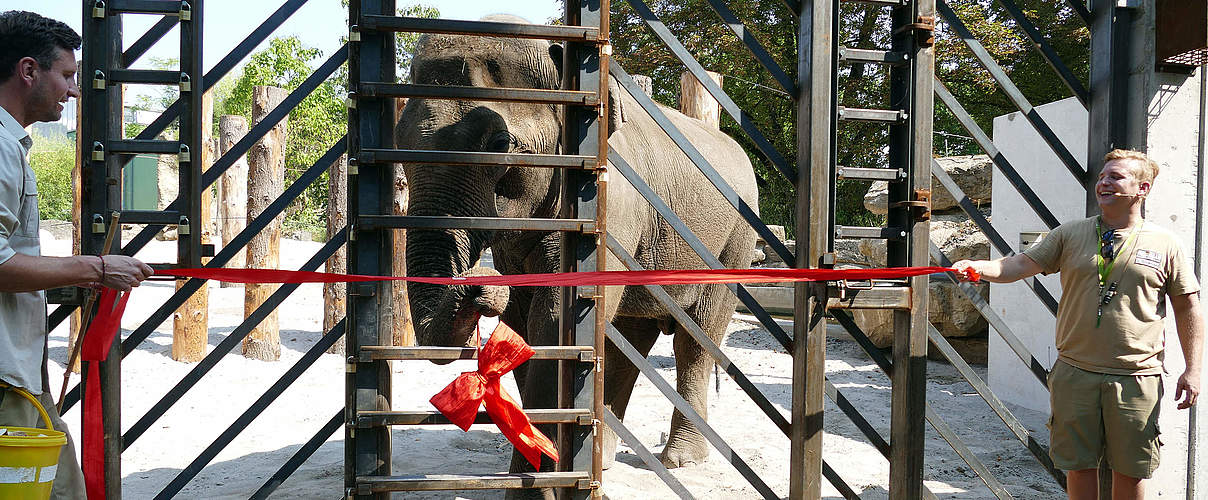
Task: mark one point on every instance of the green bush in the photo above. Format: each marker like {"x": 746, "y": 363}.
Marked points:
{"x": 52, "y": 161}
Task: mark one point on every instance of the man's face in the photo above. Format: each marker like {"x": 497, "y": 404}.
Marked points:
{"x": 1118, "y": 184}
{"x": 52, "y": 86}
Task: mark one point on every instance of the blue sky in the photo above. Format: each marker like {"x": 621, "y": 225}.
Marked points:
{"x": 319, "y": 23}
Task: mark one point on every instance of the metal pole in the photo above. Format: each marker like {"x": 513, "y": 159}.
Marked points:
{"x": 1195, "y": 420}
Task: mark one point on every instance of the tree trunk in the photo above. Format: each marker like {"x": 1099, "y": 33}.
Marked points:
{"x": 232, "y": 209}
{"x": 191, "y": 323}
{"x": 696, "y": 102}
{"x": 266, "y": 180}
{"x": 335, "y": 294}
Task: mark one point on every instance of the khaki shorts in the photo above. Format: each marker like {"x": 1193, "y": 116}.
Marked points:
{"x": 1088, "y": 406}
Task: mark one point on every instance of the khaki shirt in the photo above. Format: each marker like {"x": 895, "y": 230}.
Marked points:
{"x": 1130, "y": 338}
{"x": 22, "y": 315}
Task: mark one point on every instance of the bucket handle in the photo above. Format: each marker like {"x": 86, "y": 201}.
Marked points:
{"x": 34, "y": 401}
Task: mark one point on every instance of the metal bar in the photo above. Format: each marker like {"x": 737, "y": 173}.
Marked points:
{"x": 884, "y": 233}
{"x": 1195, "y": 418}
{"x": 145, "y": 42}
{"x": 1013, "y": 93}
{"x": 996, "y": 239}
{"x": 482, "y": 28}
{"x": 474, "y": 158}
{"x": 696, "y": 245}
{"x": 137, "y": 146}
{"x": 1050, "y": 56}
{"x": 378, "y": 353}
{"x": 299, "y": 457}
{"x": 1080, "y": 8}
{"x": 886, "y": 57}
{"x": 368, "y": 385}
{"x": 693, "y": 154}
{"x": 232, "y": 340}
{"x": 880, "y": 297}
{"x": 881, "y": 3}
{"x": 1004, "y": 166}
{"x": 1035, "y": 366}
{"x": 741, "y": 117}
{"x": 761, "y": 54}
{"x": 380, "y": 418}
{"x": 143, "y": 76}
{"x": 871, "y": 174}
{"x": 258, "y": 407}
{"x": 872, "y": 115}
{"x": 372, "y": 222}
{"x": 458, "y": 92}
{"x": 236, "y": 245}
{"x": 652, "y": 462}
{"x": 1040, "y": 451}
{"x": 165, "y": 217}
{"x": 937, "y": 422}
{"x": 166, "y": 7}
{"x": 440, "y": 482}
{"x": 688, "y": 412}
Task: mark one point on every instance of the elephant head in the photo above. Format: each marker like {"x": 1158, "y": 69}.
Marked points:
{"x": 443, "y": 316}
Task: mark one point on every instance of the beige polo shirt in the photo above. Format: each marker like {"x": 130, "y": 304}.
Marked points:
{"x": 1130, "y": 339}
{"x": 22, "y": 315}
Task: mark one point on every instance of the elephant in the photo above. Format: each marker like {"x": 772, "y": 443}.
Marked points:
{"x": 447, "y": 315}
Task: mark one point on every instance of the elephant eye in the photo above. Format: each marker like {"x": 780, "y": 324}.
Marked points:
{"x": 501, "y": 143}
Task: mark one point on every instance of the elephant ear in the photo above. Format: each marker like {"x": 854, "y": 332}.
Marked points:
{"x": 616, "y": 108}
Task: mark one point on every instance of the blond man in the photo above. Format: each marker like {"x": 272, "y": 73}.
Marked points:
{"x": 1117, "y": 272}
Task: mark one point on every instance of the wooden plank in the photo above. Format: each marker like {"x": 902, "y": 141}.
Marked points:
{"x": 335, "y": 295}
{"x": 897, "y": 297}
{"x": 439, "y": 482}
{"x": 696, "y": 102}
{"x": 432, "y": 417}
{"x": 372, "y": 353}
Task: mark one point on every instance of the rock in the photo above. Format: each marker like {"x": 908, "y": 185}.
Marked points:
{"x": 974, "y": 350}
{"x": 777, "y": 231}
{"x": 948, "y": 310}
{"x": 848, "y": 252}
{"x": 956, "y": 235}
{"x": 971, "y": 173}
{"x": 770, "y": 256}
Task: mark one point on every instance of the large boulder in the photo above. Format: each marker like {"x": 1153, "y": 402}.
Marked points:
{"x": 971, "y": 173}
{"x": 948, "y": 309}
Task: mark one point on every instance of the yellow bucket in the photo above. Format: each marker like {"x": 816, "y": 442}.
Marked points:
{"x": 29, "y": 457}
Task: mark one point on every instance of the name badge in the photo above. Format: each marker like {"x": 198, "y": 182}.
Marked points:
{"x": 1150, "y": 258}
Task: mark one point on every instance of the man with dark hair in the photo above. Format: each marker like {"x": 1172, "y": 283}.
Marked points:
{"x": 1117, "y": 273}
{"x": 37, "y": 72}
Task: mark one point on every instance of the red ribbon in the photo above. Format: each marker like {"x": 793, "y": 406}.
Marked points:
{"x": 676, "y": 277}
{"x": 459, "y": 401}
{"x": 97, "y": 342}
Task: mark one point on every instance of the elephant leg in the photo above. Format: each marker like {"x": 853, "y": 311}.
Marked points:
{"x": 693, "y": 365}
{"x": 538, "y": 384}
{"x": 620, "y": 374}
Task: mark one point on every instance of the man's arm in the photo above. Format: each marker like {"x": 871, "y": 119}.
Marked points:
{"x": 26, "y": 273}
{"x": 1189, "y": 322}
{"x": 1003, "y": 270}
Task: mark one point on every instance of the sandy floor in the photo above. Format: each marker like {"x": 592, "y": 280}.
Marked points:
{"x": 189, "y": 427}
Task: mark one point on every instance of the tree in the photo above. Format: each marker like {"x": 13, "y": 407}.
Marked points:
{"x": 860, "y": 26}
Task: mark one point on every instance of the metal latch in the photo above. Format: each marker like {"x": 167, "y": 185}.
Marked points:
{"x": 920, "y": 207}
{"x": 844, "y": 285}
{"x": 923, "y": 28}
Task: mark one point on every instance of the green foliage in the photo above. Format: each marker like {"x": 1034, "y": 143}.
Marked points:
{"x": 773, "y": 110}
{"x": 52, "y": 161}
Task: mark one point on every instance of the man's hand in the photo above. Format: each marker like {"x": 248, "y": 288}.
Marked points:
{"x": 122, "y": 272}
{"x": 1188, "y": 390}
{"x": 963, "y": 267}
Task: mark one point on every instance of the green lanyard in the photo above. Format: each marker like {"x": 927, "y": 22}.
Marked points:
{"x": 1105, "y": 268}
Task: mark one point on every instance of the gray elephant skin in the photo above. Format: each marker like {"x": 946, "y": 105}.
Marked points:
{"x": 446, "y": 316}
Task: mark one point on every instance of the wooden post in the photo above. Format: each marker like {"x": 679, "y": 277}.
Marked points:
{"x": 696, "y": 102}
{"x": 76, "y": 237}
{"x": 191, "y": 322}
{"x": 400, "y": 321}
{"x": 266, "y": 181}
{"x": 334, "y": 294}
{"x": 232, "y": 207}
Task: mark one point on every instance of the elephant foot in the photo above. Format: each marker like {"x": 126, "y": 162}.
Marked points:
{"x": 682, "y": 452}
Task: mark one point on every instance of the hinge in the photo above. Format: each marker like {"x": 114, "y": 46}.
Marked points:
{"x": 920, "y": 206}
{"x": 923, "y": 28}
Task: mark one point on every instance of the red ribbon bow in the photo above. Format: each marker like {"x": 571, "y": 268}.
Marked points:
{"x": 459, "y": 401}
